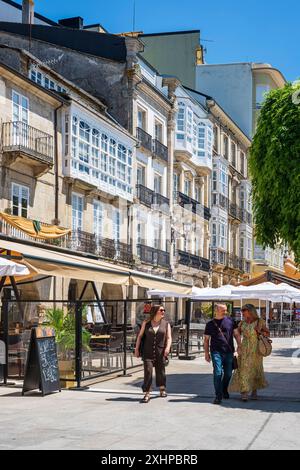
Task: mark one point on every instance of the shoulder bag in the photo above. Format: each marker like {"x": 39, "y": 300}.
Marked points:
{"x": 264, "y": 343}
{"x": 235, "y": 364}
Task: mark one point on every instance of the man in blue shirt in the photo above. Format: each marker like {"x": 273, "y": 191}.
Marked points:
{"x": 219, "y": 348}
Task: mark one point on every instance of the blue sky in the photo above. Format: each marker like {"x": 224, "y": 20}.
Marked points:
{"x": 240, "y": 30}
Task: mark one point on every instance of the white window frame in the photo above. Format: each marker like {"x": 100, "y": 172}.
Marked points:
{"x": 21, "y": 191}
{"x": 99, "y": 156}
{"x": 159, "y": 123}
{"x": 158, "y": 177}
{"x": 141, "y": 168}
{"x": 144, "y": 112}
{"x": 77, "y": 222}
{"x": 180, "y": 122}
{"x": 98, "y": 214}
{"x": 21, "y": 108}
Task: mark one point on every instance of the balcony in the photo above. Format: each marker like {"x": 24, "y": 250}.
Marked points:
{"x": 149, "y": 198}
{"x": 191, "y": 204}
{"x": 145, "y": 195}
{"x": 234, "y": 262}
{"x": 144, "y": 138}
{"x": 107, "y": 248}
{"x": 230, "y": 261}
{"x": 219, "y": 257}
{"x": 7, "y": 230}
{"x": 160, "y": 150}
{"x": 153, "y": 256}
{"x": 221, "y": 201}
{"x": 207, "y": 213}
{"x": 23, "y": 142}
{"x": 193, "y": 261}
{"x": 246, "y": 217}
{"x": 235, "y": 211}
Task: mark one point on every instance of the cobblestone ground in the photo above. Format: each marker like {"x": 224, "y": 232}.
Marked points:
{"x": 109, "y": 415}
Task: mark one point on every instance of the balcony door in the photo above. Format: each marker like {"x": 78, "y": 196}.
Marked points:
{"x": 141, "y": 175}
{"x": 77, "y": 213}
{"x": 117, "y": 230}
{"x": 98, "y": 220}
{"x": 141, "y": 119}
{"x": 156, "y": 238}
{"x": 158, "y": 131}
{"x": 20, "y": 118}
{"x": 157, "y": 183}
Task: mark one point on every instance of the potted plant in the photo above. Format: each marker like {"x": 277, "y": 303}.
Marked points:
{"x": 64, "y": 325}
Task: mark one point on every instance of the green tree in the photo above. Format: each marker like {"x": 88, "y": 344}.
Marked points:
{"x": 275, "y": 170}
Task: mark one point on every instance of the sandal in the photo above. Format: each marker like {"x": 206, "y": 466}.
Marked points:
{"x": 163, "y": 394}
{"x": 146, "y": 398}
{"x": 244, "y": 397}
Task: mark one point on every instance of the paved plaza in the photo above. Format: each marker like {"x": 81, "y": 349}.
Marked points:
{"x": 109, "y": 415}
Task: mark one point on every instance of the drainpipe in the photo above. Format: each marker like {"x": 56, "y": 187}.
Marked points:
{"x": 56, "y": 184}
{"x": 56, "y": 219}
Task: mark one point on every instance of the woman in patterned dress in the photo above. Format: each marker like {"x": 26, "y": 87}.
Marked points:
{"x": 250, "y": 377}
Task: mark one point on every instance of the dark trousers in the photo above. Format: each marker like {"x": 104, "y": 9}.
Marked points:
{"x": 160, "y": 374}
{"x": 223, "y": 363}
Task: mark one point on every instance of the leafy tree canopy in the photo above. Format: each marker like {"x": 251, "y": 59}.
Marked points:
{"x": 275, "y": 170}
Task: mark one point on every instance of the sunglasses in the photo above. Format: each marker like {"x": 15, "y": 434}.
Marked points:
{"x": 162, "y": 310}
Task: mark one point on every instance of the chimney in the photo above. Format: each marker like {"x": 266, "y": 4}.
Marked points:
{"x": 28, "y": 12}
{"x": 75, "y": 23}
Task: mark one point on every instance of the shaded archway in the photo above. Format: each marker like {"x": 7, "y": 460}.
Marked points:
{"x": 112, "y": 295}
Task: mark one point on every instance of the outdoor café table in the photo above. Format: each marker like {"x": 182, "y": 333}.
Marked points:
{"x": 100, "y": 336}
{"x": 98, "y": 341}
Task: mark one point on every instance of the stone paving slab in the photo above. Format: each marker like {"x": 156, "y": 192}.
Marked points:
{"x": 109, "y": 415}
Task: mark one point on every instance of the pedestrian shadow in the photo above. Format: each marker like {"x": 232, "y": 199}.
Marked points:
{"x": 288, "y": 352}
{"x": 264, "y": 405}
{"x": 190, "y": 384}
{"x": 282, "y": 395}
{"x": 129, "y": 399}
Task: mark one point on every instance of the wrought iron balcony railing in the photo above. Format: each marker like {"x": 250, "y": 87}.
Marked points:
{"x": 234, "y": 262}
{"x": 160, "y": 150}
{"x": 145, "y": 195}
{"x": 144, "y": 138}
{"x": 230, "y": 261}
{"x": 221, "y": 201}
{"x": 149, "y": 198}
{"x": 191, "y": 204}
{"x": 194, "y": 261}
{"x": 153, "y": 256}
{"x": 9, "y": 231}
{"x": 103, "y": 247}
{"x": 219, "y": 256}
{"x": 246, "y": 217}
{"x": 162, "y": 202}
{"x": 18, "y": 136}
{"x": 235, "y": 211}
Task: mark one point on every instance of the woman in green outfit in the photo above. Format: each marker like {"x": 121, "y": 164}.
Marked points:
{"x": 250, "y": 377}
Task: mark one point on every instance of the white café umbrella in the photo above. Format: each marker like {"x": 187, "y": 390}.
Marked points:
{"x": 265, "y": 291}
{"x": 165, "y": 293}
{"x": 219, "y": 293}
{"x": 10, "y": 268}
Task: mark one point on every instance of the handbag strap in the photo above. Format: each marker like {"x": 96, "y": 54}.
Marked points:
{"x": 221, "y": 332}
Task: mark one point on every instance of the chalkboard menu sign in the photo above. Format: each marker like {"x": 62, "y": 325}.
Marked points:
{"x": 42, "y": 370}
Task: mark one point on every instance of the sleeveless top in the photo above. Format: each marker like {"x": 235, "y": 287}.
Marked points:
{"x": 155, "y": 343}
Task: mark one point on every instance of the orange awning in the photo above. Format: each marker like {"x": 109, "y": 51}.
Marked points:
{"x": 291, "y": 270}
{"x": 34, "y": 228}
